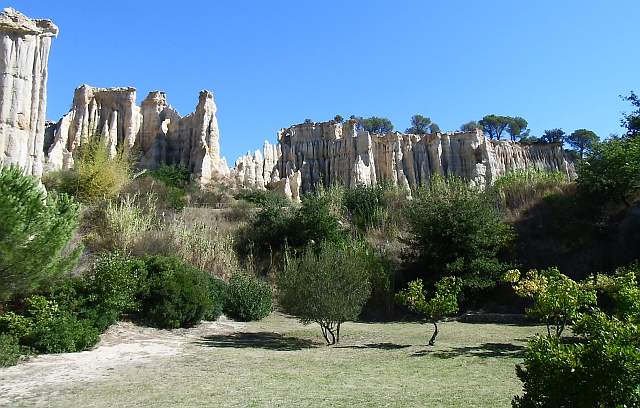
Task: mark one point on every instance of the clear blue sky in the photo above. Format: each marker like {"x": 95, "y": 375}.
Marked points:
{"x": 274, "y": 63}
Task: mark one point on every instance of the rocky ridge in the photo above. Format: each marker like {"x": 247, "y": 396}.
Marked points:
{"x": 335, "y": 153}
{"x": 154, "y": 130}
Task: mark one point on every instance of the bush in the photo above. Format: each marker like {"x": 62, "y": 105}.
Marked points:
{"x": 328, "y": 284}
{"x": 557, "y": 299}
{"x": 601, "y": 370}
{"x": 178, "y": 294}
{"x": 173, "y": 176}
{"x": 263, "y": 198}
{"x": 35, "y": 234}
{"x": 48, "y": 329}
{"x": 247, "y": 298}
{"x": 319, "y": 218}
{"x": 10, "y": 350}
{"x": 457, "y": 231}
{"x": 96, "y": 174}
{"x": 113, "y": 287}
{"x": 63, "y": 333}
{"x": 218, "y": 293}
{"x": 612, "y": 170}
{"x": 366, "y": 205}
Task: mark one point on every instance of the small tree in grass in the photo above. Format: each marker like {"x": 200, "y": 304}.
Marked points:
{"x": 557, "y": 299}
{"x": 327, "y": 284}
{"x": 443, "y": 303}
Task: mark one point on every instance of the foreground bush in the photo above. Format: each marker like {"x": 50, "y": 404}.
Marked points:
{"x": 34, "y": 234}
{"x": 48, "y": 329}
{"x": 113, "y": 287}
{"x": 10, "y": 350}
{"x": 328, "y": 284}
{"x": 600, "y": 367}
{"x": 247, "y": 298}
{"x": 457, "y": 231}
{"x": 178, "y": 295}
{"x": 601, "y": 370}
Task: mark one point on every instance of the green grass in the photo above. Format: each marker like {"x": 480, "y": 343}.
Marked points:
{"x": 278, "y": 362}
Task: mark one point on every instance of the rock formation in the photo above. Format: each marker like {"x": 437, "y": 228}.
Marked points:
{"x": 154, "y": 130}
{"x": 335, "y": 153}
{"x": 24, "y": 55}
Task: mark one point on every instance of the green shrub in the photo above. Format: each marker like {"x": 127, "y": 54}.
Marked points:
{"x": 612, "y": 170}
{"x": 178, "y": 294}
{"x": 10, "y": 350}
{"x": 319, "y": 218}
{"x": 328, "y": 284}
{"x": 16, "y": 325}
{"x": 366, "y": 205}
{"x": 96, "y": 175}
{"x": 173, "y": 176}
{"x": 63, "y": 333}
{"x": 263, "y": 198}
{"x": 557, "y": 299}
{"x": 48, "y": 329}
{"x": 247, "y": 298}
{"x": 218, "y": 293}
{"x": 601, "y": 370}
{"x": 113, "y": 287}
{"x": 35, "y": 234}
{"x": 457, "y": 230}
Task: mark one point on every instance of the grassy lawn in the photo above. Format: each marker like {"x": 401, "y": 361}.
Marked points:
{"x": 279, "y": 362}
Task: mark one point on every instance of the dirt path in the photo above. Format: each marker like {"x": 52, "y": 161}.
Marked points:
{"x": 124, "y": 345}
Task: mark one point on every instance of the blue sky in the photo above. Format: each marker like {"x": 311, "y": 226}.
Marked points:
{"x": 274, "y": 63}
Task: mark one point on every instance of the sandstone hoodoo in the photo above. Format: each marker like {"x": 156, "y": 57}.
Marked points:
{"x": 24, "y": 54}
{"x": 154, "y": 130}
{"x": 332, "y": 152}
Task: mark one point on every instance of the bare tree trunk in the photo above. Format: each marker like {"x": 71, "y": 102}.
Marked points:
{"x": 338, "y": 333}
{"x": 435, "y": 333}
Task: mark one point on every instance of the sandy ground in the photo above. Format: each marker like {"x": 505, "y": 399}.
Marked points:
{"x": 122, "y": 346}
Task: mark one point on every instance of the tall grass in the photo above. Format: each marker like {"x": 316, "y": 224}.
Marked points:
{"x": 520, "y": 189}
{"x": 133, "y": 226}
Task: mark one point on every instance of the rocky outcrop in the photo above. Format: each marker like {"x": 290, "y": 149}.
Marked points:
{"x": 24, "y": 55}
{"x": 334, "y": 153}
{"x": 154, "y": 130}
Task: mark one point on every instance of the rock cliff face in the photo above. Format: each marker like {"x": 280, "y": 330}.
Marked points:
{"x": 154, "y": 130}
{"x": 334, "y": 153}
{"x": 24, "y": 55}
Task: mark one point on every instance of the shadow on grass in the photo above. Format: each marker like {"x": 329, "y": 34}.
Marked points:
{"x": 262, "y": 340}
{"x": 379, "y": 346}
{"x": 486, "y": 350}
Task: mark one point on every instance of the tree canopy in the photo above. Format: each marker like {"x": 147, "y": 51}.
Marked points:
{"x": 421, "y": 125}
{"x": 553, "y": 136}
{"x": 582, "y": 140}
{"x": 376, "y": 124}
{"x": 631, "y": 121}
